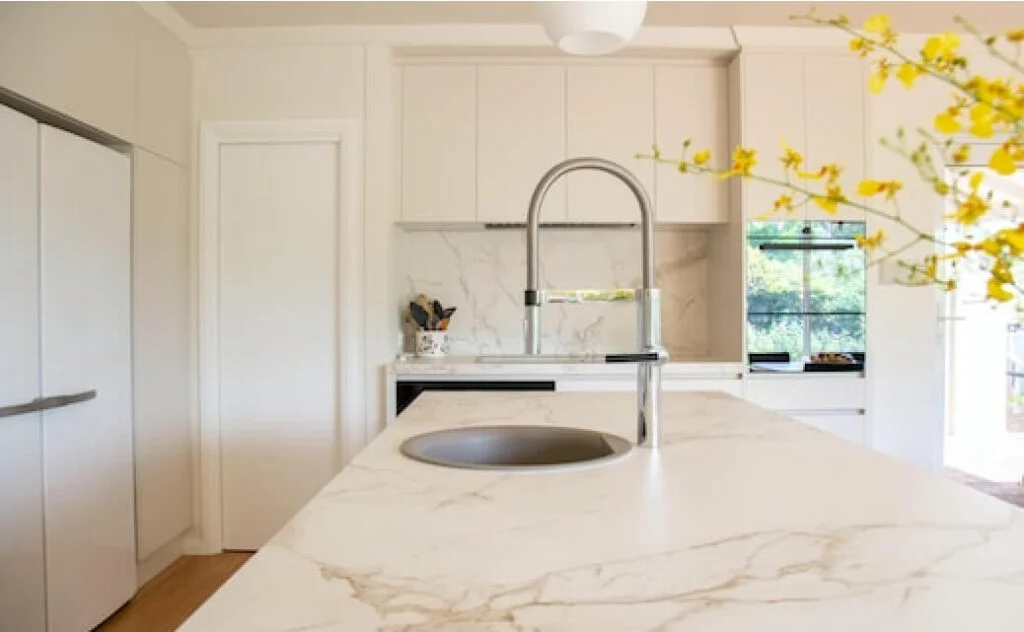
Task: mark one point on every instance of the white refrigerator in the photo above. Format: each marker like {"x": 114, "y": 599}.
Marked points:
{"x": 67, "y": 509}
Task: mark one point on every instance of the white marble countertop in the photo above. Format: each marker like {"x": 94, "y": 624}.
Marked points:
{"x": 518, "y": 365}
{"x": 744, "y": 521}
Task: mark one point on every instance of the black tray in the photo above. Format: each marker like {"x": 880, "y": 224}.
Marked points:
{"x": 812, "y": 367}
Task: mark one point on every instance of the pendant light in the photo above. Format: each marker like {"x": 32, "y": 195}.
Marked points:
{"x": 591, "y": 27}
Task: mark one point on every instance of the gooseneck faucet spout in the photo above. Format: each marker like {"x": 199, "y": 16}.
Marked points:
{"x": 650, "y": 354}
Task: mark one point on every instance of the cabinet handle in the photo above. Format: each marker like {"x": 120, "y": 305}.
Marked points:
{"x": 46, "y": 403}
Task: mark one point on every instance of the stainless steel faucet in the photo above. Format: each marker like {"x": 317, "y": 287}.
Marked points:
{"x": 650, "y": 354}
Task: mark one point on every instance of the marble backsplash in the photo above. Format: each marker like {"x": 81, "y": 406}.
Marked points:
{"x": 483, "y": 274}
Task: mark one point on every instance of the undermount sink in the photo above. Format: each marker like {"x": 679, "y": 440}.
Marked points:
{"x": 515, "y": 448}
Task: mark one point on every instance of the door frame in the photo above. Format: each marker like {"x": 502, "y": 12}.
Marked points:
{"x": 346, "y": 135}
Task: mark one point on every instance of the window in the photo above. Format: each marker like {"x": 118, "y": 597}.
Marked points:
{"x": 805, "y": 287}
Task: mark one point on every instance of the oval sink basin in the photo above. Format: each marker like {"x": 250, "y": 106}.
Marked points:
{"x": 515, "y": 447}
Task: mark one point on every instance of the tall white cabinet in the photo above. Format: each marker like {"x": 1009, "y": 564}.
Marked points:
{"x": 67, "y": 528}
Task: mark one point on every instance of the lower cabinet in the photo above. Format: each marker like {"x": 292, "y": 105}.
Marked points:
{"x": 834, "y": 403}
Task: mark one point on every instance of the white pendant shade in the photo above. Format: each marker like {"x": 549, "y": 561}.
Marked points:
{"x": 591, "y": 28}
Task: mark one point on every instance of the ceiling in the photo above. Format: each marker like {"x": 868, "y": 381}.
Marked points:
{"x": 908, "y": 16}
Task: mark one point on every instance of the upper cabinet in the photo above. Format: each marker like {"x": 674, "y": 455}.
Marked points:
{"x": 834, "y": 99}
{"x": 439, "y": 143}
{"x": 521, "y": 134}
{"x": 690, "y": 102}
{"x": 813, "y": 102}
{"x": 610, "y": 115}
{"x": 477, "y": 138}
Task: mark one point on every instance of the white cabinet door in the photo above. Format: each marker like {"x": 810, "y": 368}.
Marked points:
{"x": 85, "y": 207}
{"x": 772, "y": 111}
{"x": 731, "y": 386}
{"x": 521, "y": 135}
{"x": 279, "y": 332}
{"x": 161, "y": 342}
{"x": 439, "y": 144}
{"x": 845, "y": 425}
{"x": 834, "y": 103}
{"x": 610, "y": 115}
{"x": 691, "y": 102}
{"x": 22, "y": 588}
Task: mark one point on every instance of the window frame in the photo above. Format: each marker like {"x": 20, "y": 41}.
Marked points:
{"x": 805, "y": 314}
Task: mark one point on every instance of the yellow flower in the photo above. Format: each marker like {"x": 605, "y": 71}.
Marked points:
{"x": 877, "y": 23}
{"x": 830, "y": 201}
{"x": 1012, "y": 237}
{"x": 982, "y": 118}
{"x": 947, "y": 123}
{"x": 861, "y": 46}
{"x": 990, "y": 246}
{"x": 972, "y": 208}
{"x": 1002, "y": 161}
{"x": 870, "y": 242}
{"x": 1015, "y": 36}
{"x": 868, "y": 188}
{"x": 908, "y": 73}
{"x": 997, "y": 291}
{"x": 784, "y": 201}
{"x": 702, "y": 157}
{"x": 831, "y": 172}
{"x": 791, "y": 159}
{"x": 961, "y": 154}
{"x": 743, "y": 160}
{"x": 878, "y": 78}
{"x": 941, "y": 49}
{"x": 940, "y": 187}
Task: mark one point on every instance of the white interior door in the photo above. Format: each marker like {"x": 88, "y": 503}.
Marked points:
{"x": 279, "y": 325}
{"x": 85, "y": 205}
{"x": 22, "y": 587}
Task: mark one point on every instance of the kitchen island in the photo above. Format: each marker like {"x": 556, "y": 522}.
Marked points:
{"x": 744, "y": 520}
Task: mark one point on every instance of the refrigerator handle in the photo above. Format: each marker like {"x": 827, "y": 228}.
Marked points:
{"x": 46, "y": 403}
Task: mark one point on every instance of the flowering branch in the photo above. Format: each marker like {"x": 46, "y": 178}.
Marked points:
{"x": 984, "y": 106}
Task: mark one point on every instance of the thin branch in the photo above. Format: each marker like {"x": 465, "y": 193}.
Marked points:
{"x": 992, "y": 50}
{"x": 944, "y": 77}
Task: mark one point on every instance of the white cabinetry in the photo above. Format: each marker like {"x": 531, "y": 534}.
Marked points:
{"x": 833, "y": 403}
{"x": 439, "y": 143}
{"x": 834, "y": 95}
{"x": 476, "y": 139}
{"x": 67, "y": 330}
{"x": 610, "y": 115}
{"x": 813, "y": 102}
{"x": 521, "y": 133}
{"x": 161, "y": 333}
{"x": 772, "y": 112}
{"x": 690, "y": 102}
{"x": 22, "y": 587}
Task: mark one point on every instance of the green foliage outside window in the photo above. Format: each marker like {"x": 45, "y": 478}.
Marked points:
{"x": 805, "y": 301}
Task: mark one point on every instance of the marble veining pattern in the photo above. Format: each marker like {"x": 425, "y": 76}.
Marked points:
{"x": 483, "y": 273}
{"x": 745, "y": 520}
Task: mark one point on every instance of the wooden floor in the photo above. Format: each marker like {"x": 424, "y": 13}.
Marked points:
{"x": 169, "y": 598}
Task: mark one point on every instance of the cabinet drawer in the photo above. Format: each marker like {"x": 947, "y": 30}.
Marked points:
{"x": 730, "y": 386}
{"x": 845, "y": 426}
{"x": 805, "y": 393}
